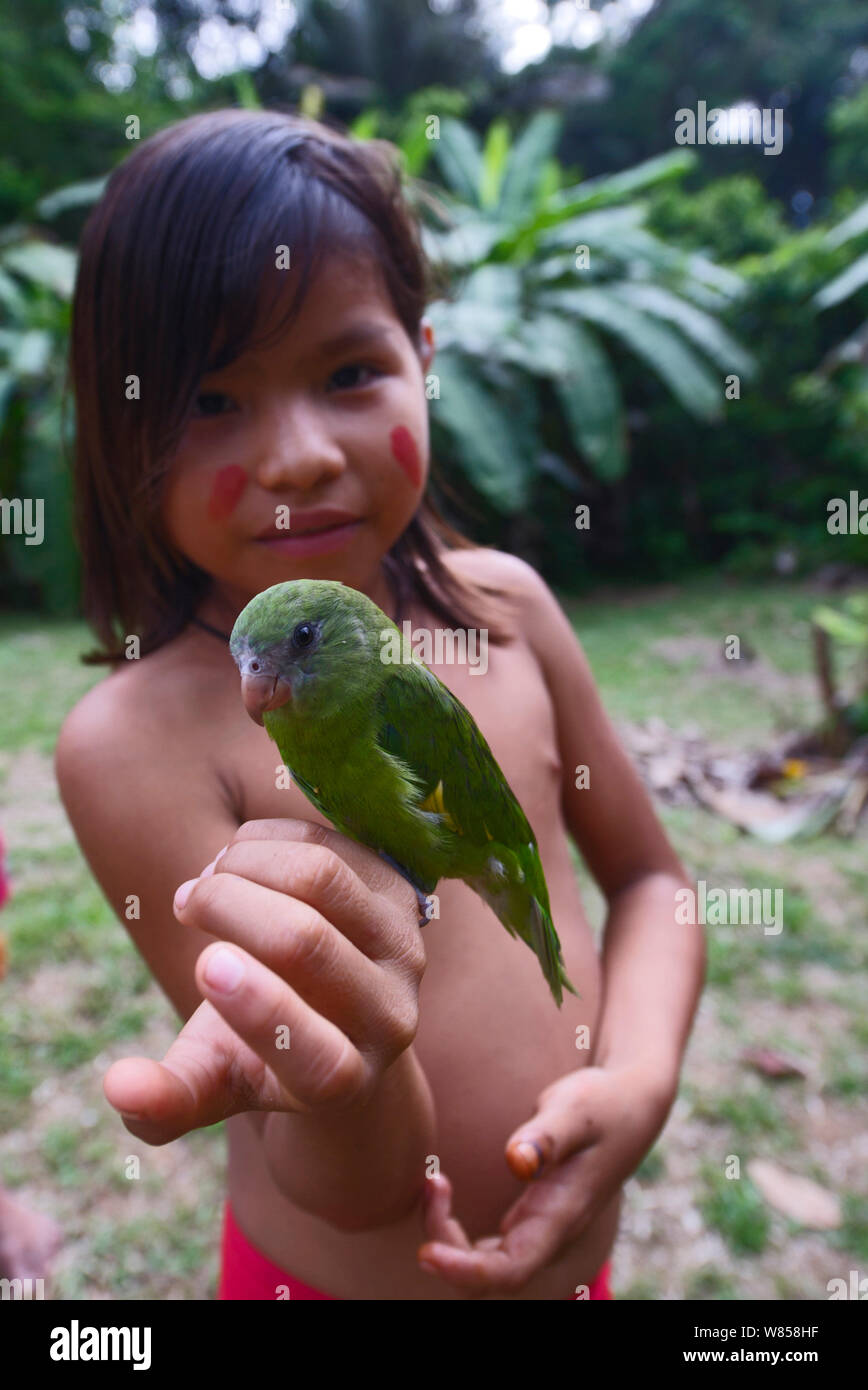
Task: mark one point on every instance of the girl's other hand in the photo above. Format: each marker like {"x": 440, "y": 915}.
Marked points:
{"x": 590, "y": 1132}
{"x": 311, "y": 993}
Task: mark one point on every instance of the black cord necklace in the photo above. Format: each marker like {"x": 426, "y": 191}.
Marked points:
{"x": 215, "y": 631}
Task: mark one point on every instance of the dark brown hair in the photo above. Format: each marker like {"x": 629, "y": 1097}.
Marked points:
{"x": 169, "y": 287}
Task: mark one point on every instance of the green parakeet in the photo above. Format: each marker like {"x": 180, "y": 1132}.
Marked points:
{"x": 389, "y": 755}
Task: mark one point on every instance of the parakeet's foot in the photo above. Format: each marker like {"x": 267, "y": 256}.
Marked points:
{"x": 424, "y": 905}
{"x": 421, "y": 898}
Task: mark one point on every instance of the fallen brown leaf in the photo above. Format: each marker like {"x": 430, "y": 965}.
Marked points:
{"x": 798, "y": 1198}
{"x": 772, "y": 1063}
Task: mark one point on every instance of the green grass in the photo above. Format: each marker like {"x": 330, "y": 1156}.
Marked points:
{"x": 642, "y": 1289}
{"x": 847, "y": 1074}
{"x": 652, "y": 1167}
{"x": 710, "y": 1284}
{"x": 747, "y": 1112}
{"x": 733, "y": 1207}
{"x": 790, "y": 988}
{"x": 852, "y": 1236}
{"x": 618, "y": 633}
{"x": 33, "y": 653}
{"x": 147, "y": 1257}
{"x": 62, "y": 926}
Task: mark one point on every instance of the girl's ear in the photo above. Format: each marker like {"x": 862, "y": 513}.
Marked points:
{"x": 427, "y": 346}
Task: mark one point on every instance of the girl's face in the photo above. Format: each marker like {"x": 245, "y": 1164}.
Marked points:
{"x": 308, "y": 458}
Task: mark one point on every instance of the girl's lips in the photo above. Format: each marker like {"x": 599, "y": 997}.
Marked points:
{"x": 312, "y": 542}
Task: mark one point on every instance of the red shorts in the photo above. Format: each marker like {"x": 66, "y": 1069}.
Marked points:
{"x": 245, "y": 1273}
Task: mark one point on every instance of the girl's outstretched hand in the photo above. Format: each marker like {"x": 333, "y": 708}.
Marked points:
{"x": 311, "y": 992}
{"x": 590, "y": 1132}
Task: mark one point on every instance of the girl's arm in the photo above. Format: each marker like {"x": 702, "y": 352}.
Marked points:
{"x": 150, "y": 814}
{"x": 653, "y": 968}
{"x": 147, "y": 816}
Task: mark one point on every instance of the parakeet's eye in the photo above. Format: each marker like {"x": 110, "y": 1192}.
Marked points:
{"x": 303, "y": 635}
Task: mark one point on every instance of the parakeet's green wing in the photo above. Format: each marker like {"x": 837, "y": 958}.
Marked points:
{"x": 423, "y": 724}
{"x": 312, "y": 794}
{"x": 427, "y": 728}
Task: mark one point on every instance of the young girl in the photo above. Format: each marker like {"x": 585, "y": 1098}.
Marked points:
{"x": 248, "y": 335}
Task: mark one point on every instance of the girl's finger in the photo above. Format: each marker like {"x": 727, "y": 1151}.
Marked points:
{"x": 369, "y": 868}
{"x": 317, "y": 874}
{"x": 207, "y": 1074}
{"x": 439, "y": 1223}
{"x": 504, "y": 1265}
{"x": 304, "y": 948}
{"x": 568, "y": 1119}
{"x": 315, "y": 1062}
{"x": 475, "y": 1271}
{"x": 563, "y": 1200}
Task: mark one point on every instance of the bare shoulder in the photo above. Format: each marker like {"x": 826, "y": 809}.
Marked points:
{"x": 143, "y": 711}
{"x": 98, "y": 719}
{"x": 538, "y": 616}
{"x": 497, "y": 569}
{"x": 542, "y": 622}
{"x": 152, "y": 692}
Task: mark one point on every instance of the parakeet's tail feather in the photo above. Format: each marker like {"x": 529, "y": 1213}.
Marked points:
{"x": 506, "y": 889}
{"x": 544, "y": 941}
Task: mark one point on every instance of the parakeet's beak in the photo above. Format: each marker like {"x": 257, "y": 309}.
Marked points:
{"x": 261, "y": 693}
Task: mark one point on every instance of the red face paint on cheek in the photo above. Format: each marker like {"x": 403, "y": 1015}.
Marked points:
{"x": 404, "y": 451}
{"x": 229, "y": 484}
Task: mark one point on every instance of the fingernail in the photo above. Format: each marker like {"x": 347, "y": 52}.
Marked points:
{"x": 429, "y": 1269}
{"x": 531, "y": 1156}
{"x": 224, "y": 971}
{"x": 131, "y": 1115}
{"x": 209, "y": 868}
{"x": 184, "y": 892}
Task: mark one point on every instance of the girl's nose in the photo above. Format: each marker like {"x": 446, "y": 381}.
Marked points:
{"x": 298, "y": 452}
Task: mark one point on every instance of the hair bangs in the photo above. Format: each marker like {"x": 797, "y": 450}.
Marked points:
{"x": 272, "y": 253}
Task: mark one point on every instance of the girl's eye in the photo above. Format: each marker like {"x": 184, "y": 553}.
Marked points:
{"x": 208, "y": 404}
{"x": 354, "y": 375}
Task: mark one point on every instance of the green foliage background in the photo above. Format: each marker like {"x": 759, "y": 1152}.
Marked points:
{"x": 559, "y": 386}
